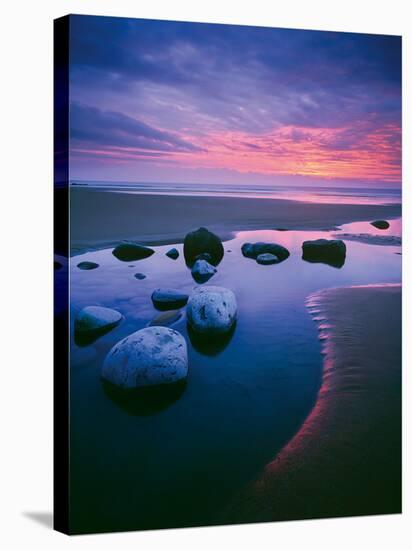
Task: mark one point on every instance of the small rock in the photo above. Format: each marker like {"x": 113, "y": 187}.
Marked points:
{"x": 166, "y": 318}
{"x": 149, "y": 357}
{"x": 331, "y": 252}
{"x": 173, "y": 253}
{"x": 253, "y": 250}
{"x": 93, "y": 321}
{"x": 169, "y": 298}
{"x": 267, "y": 259}
{"x": 204, "y": 256}
{"x": 128, "y": 252}
{"x": 140, "y": 276}
{"x": 212, "y": 310}
{"x": 87, "y": 265}
{"x": 380, "y": 224}
{"x": 202, "y": 271}
{"x": 202, "y": 241}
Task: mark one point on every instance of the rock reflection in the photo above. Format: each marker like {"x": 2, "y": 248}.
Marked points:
{"x": 210, "y": 344}
{"x": 145, "y": 401}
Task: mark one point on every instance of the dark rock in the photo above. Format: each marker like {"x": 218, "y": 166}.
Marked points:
{"x": 204, "y": 256}
{"x": 169, "y": 298}
{"x": 140, "y": 276}
{"x": 202, "y": 241}
{"x": 94, "y": 321}
{"x": 173, "y": 253}
{"x": 87, "y": 265}
{"x": 380, "y": 224}
{"x": 128, "y": 252}
{"x": 202, "y": 271}
{"x": 331, "y": 252}
{"x": 253, "y": 250}
{"x": 57, "y": 265}
{"x": 267, "y": 259}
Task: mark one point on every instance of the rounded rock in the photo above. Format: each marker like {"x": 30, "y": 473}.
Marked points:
{"x": 212, "y": 310}
{"x": 87, "y": 266}
{"x": 253, "y": 250}
{"x": 202, "y": 241}
{"x": 96, "y": 318}
{"x": 152, "y": 356}
{"x": 169, "y": 298}
{"x": 128, "y": 252}
{"x": 380, "y": 224}
{"x": 267, "y": 259}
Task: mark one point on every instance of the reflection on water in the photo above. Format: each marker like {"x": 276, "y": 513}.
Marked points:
{"x": 145, "y": 401}
{"x": 210, "y": 345}
{"x": 145, "y": 463}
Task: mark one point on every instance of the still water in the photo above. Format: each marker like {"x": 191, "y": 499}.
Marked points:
{"x": 177, "y": 465}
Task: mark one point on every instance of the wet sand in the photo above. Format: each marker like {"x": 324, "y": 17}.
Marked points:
{"x": 346, "y": 458}
{"x": 101, "y": 219}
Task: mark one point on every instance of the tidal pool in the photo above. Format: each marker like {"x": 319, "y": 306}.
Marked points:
{"x": 176, "y": 463}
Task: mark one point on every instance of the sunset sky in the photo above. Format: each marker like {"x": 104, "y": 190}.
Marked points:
{"x": 156, "y": 101}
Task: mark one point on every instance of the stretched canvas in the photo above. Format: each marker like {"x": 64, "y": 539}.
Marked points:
{"x": 227, "y": 274}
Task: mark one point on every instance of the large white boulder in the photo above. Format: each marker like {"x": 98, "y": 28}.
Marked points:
{"x": 149, "y": 357}
{"x": 211, "y": 310}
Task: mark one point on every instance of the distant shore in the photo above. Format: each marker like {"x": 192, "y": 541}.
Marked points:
{"x": 101, "y": 219}
{"x": 346, "y": 458}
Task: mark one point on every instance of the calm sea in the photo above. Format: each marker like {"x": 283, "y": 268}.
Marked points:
{"x": 343, "y": 195}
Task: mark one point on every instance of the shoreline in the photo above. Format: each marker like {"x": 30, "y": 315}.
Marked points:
{"x": 346, "y": 458}
{"x": 100, "y": 219}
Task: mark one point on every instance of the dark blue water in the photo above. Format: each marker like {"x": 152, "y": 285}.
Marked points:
{"x": 179, "y": 465}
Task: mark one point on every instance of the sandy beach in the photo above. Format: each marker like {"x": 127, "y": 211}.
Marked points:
{"x": 346, "y": 458}
{"x": 101, "y": 219}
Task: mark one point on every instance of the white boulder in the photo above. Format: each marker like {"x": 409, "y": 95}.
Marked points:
{"x": 212, "y": 310}
{"x": 149, "y": 357}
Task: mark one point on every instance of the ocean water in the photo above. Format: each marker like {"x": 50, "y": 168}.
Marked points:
{"x": 330, "y": 194}
{"x": 178, "y": 465}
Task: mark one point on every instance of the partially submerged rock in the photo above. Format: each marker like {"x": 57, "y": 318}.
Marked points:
{"x": 152, "y": 356}
{"x": 380, "y": 224}
{"x": 253, "y": 250}
{"x": 202, "y": 241}
{"x": 140, "y": 276}
{"x": 202, "y": 271}
{"x": 267, "y": 259}
{"x": 331, "y": 252}
{"x": 173, "y": 253}
{"x": 169, "y": 298}
{"x": 94, "y": 321}
{"x": 166, "y": 318}
{"x": 212, "y": 310}
{"x": 87, "y": 265}
{"x": 128, "y": 252}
